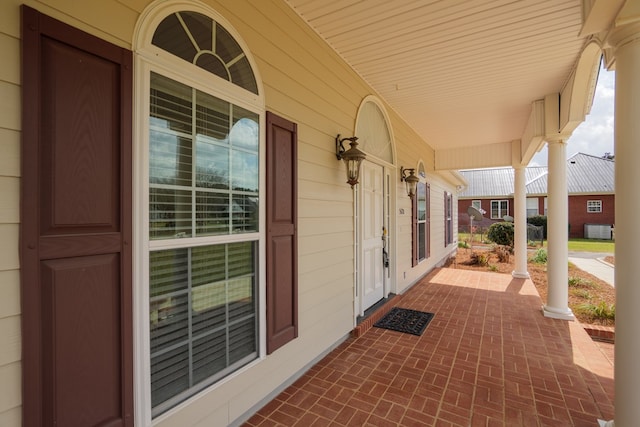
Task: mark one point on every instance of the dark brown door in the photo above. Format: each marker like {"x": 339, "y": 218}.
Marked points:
{"x": 75, "y": 227}
{"x": 282, "y": 244}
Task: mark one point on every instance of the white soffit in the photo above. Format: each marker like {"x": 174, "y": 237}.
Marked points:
{"x": 461, "y": 73}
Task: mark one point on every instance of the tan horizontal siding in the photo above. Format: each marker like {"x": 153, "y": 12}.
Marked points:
{"x": 314, "y": 226}
{"x": 9, "y": 249}
{"x": 10, "y": 48}
{"x": 10, "y": 200}
{"x": 11, "y": 417}
{"x": 10, "y": 104}
{"x": 9, "y": 293}
{"x": 10, "y": 107}
{"x": 10, "y": 158}
{"x": 11, "y": 381}
{"x": 10, "y": 351}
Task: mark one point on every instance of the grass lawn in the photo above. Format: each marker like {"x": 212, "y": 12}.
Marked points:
{"x": 575, "y": 245}
{"x": 591, "y": 245}
{"x": 466, "y": 237}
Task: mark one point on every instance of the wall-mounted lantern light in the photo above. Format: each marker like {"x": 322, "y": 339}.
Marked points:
{"x": 352, "y": 158}
{"x": 411, "y": 180}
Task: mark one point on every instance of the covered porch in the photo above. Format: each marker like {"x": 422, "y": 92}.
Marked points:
{"x": 481, "y": 93}
{"x": 488, "y": 358}
{"x": 443, "y": 86}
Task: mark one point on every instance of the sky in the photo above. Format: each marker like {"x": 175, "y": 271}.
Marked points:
{"x": 595, "y": 135}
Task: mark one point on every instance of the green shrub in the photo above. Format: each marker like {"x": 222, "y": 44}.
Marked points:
{"x": 501, "y": 233}
{"x": 463, "y": 244}
{"x": 480, "y": 258}
{"x": 493, "y": 267}
{"x": 582, "y": 293}
{"x": 577, "y": 282}
{"x": 574, "y": 281}
{"x": 599, "y": 311}
{"x": 540, "y": 256}
{"x": 539, "y": 220}
{"x": 502, "y": 252}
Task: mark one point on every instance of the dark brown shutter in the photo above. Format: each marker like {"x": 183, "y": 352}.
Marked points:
{"x": 75, "y": 242}
{"x": 428, "y": 222}
{"x": 282, "y": 246}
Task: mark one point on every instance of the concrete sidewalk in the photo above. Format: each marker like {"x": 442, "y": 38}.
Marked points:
{"x": 596, "y": 266}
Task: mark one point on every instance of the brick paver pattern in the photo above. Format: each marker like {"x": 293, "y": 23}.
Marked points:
{"x": 488, "y": 358}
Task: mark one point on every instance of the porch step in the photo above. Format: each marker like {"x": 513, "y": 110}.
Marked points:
{"x": 367, "y": 323}
{"x": 601, "y": 333}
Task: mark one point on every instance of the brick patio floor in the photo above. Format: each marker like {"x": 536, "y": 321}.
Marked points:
{"x": 488, "y": 358}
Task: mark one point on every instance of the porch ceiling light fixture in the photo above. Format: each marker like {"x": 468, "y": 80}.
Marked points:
{"x": 352, "y": 157}
{"x": 411, "y": 180}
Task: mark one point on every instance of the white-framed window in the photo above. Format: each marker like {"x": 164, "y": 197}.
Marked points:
{"x": 423, "y": 213}
{"x": 499, "y": 208}
{"x": 201, "y": 205}
{"x": 203, "y": 225}
{"x": 477, "y": 204}
{"x": 532, "y": 206}
{"x": 594, "y": 206}
{"x": 546, "y": 209}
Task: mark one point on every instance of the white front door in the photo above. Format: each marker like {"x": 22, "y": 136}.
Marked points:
{"x": 372, "y": 226}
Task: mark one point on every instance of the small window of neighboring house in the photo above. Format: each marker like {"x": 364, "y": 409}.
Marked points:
{"x": 545, "y": 206}
{"x": 499, "y": 208}
{"x": 477, "y": 204}
{"x": 532, "y": 206}
{"x": 594, "y": 206}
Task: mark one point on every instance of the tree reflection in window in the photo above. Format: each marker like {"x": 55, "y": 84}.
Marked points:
{"x": 222, "y": 145}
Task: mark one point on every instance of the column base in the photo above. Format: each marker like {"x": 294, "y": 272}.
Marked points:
{"x": 555, "y": 313}
{"x": 520, "y": 275}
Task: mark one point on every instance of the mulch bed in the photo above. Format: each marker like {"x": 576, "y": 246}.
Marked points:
{"x": 590, "y": 290}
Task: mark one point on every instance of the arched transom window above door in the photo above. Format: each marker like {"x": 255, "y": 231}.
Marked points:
{"x": 200, "y": 40}
{"x": 422, "y": 173}
{"x": 373, "y": 130}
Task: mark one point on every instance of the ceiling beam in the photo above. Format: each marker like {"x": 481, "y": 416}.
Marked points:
{"x": 598, "y": 15}
{"x": 474, "y": 157}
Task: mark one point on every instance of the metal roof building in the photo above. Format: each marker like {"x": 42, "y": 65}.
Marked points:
{"x": 586, "y": 174}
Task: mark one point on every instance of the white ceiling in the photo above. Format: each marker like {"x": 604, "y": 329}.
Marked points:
{"x": 461, "y": 73}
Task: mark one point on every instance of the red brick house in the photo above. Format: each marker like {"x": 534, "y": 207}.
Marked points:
{"x": 590, "y": 184}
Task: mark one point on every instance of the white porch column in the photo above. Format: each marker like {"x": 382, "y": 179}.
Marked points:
{"x": 627, "y": 272}
{"x": 557, "y": 234}
{"x": 520, "y": 223}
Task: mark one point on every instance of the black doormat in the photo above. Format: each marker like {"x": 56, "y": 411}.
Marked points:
{"x": 405, "y": 320}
